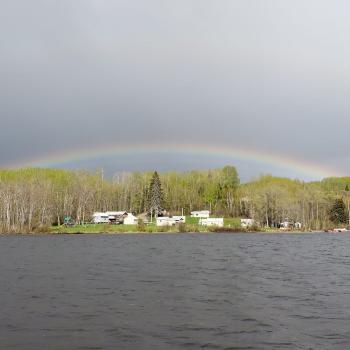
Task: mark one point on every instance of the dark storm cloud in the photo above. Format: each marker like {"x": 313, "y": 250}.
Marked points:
{"x": 269, "y": 75}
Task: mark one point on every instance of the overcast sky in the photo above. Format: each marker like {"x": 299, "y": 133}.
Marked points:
{"x": 266, "y": 75}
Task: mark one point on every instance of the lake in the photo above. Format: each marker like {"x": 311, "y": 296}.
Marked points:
{"x": 175, "y": 291}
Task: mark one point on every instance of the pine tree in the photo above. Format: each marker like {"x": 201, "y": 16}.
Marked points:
{"x": 155, "y": 196}
{"x": 338, "y": 213}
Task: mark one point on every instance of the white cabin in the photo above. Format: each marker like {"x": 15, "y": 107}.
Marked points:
{"x": 219, "y": 222}
{"x": 247, "y": 222}
{"x": 298, "y": 225}
{"x": 200, "y": 214}
{"x": 285, "y": 225}
{"x": 130, "y": 219}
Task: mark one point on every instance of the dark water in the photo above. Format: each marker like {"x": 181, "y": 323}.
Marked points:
{"x": 191, "y": 291}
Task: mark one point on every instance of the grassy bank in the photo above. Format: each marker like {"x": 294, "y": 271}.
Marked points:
{"x": 231, "y": 225}
{"x": 106, "y": 228}
{"x": 125, "y": 229}
{"x": 191, "y": 225}
{"x": 130, "y": 229}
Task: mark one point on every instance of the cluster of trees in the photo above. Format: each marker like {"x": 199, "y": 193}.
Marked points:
{"x": 34, "y": 198}
{"x": 317, "y": 205}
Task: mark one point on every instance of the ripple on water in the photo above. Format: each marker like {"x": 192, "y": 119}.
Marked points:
{"x": 175, "y": 291}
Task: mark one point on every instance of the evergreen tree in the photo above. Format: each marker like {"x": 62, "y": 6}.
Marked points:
{"x": 155, "y": 196}
{"x": 338, "y": 213}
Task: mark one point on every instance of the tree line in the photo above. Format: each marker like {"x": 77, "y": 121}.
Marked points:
{"x": 36, "y": 198}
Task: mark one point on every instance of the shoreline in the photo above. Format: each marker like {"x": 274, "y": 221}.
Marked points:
{"x": 56, "y": 233}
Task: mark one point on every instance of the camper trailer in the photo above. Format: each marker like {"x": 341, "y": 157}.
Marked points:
{"x": 100, "y": 218}
{"x": 247, "y": 222}
{"x": 219, "y": 222}
{"x": 109, "y": 217}
{"x": 200, "y": 214}
{"x": 170, "y": 221}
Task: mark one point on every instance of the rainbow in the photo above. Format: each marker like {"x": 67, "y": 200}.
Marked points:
{"x": 60, "y": 158}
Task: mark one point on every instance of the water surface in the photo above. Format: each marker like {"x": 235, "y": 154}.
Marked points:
{"x": 176, "y": 291}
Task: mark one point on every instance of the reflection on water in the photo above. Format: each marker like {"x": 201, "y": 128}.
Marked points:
{"x": 190, "y": 291}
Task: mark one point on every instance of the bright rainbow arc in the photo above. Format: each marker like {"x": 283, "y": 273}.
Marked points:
{"x": 61, "y": 158}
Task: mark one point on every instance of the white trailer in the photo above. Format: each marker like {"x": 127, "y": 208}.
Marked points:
{"x": 108, "y": 217}
{"x": 179, "y": 219}
{"x": 219, "y": 222}
{"x": 247, "y": 222}
{"x": 130, "y": 219}
{"x": 200, "y": 214}
{"x": 100, "y": 218}
{"x": 165, "y": 221}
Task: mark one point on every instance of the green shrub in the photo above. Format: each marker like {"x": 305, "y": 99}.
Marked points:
{"x": 141, "y": 227}
{"x": 182, "y": 227}
{"x": 163, "y": 229}
{"x": 42, "y": 229}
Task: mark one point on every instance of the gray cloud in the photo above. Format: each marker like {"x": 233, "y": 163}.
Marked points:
{"x": 268, "y": 75}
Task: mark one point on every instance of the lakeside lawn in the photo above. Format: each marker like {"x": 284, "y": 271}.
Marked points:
{"x": 191, "y": 225}
{"x": 107, "y": 228}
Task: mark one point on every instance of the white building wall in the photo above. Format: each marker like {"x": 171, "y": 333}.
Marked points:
{"x": 179, "y": 219}
{"x": 165, "y": 221}
{"x": 130, "y": 220}
{"x": 219, "y": 222}
{"x": 100, "y": 218}
{"x": 200, "y": 214}
{"x": 247, "y": 222}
